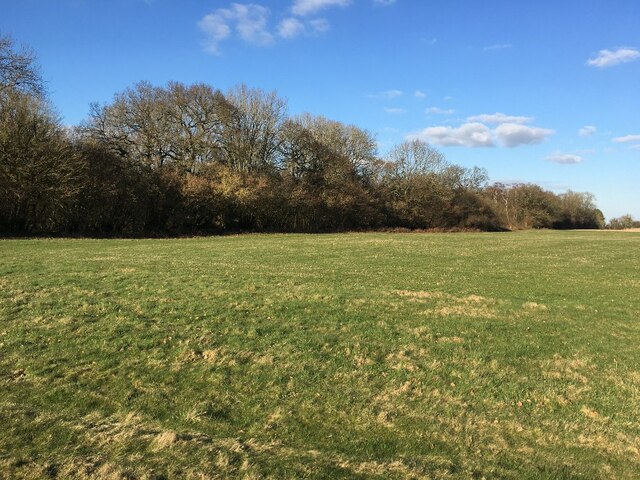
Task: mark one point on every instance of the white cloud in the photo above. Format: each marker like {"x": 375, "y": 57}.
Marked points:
{"x": 609, "y": 58}
{"x": 477, "y": 134}
{"x": 252, "y": 22}
{"x": 309, "y": 7}
{"x": 498, "y": 118}
{"x": 248, "y": 20}
{"x": 290, "y": 28}
{"x": 395, "y": 111}
{"x": 440, "y": 111}
{"x": 565, "y": 158}
{"x": 388, "y": 95}
{"x": 419, "y": 94}
{"x": 384, "y": 3}
{"x": 627, "y": 138}
{"x": 513, "y": 134}
{"x": 467, "y": 135}
{"x": 216, "y": 28}
{"x": 498, "y": 46}
{"x": 319, "y": 25}
{"x": 587, "y": 131}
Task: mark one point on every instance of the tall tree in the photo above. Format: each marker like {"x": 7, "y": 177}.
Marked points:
{"x": 18, "y": 69}
{"x": 252, "y": 139}
{"x": 40, "y": 174}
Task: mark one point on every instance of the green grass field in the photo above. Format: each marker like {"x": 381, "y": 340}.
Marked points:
{"x": 511, "y": 355}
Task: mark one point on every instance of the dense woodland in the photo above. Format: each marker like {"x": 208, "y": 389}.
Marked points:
{"x": 188, "y": 159}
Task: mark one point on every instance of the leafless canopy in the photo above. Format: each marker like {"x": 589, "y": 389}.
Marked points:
{"x": 18, "y": 69}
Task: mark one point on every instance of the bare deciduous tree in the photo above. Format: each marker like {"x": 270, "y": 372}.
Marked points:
{"x": 415, "y": 157}
{"x": 252, "y": 142}
{"x": 18, "y": 69}
{"x": 356, "y": 145}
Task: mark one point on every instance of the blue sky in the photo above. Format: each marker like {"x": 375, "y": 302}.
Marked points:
{"x": 545, "y": 91}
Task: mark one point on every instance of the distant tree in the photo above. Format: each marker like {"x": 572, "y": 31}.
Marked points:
{"x": 415, "y": 157}
{"x": 324, "y": 184}
{"x": 354, "y": 144}
{"x": 422, "y": 190}
{"x": 18, "y": 69}
{"x": 621, "y": 223}
{"x": 118, "y": 195}
{"x": 135, "y": 125}
{"x": 524, "y": 205}
{"x": 40, "y": 173}
{"x": 252, "y": 136}
{"x": 39, "y": 170}
{"x": 578, "y": 210}
{"x": 534, "y": 206}
{"x": 199, "y": 117}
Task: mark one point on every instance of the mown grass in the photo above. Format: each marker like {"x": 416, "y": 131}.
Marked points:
{"x": 322, "y": 356}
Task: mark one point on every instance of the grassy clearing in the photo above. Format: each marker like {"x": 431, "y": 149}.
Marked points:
{"x": 322, "y": 356}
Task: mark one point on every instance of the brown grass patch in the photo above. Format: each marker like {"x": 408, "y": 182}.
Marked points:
{"x": 419, "y": 294}
{"x": 465, "y": 311}
{"x": 534, "y": 306}
{"x": 164, "y": 440}
{"x": 401, "y": 361}
{"x": 589, "y": 413}
{"x": 450, "y": 340}
{"x": 361, "y": 361}
{"x": 224, "y": 357}
{"x": 474, "y": 306}
{"x": 405, "y": 358}
{"x": 566, "y": 369}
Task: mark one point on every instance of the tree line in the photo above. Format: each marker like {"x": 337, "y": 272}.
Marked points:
{"x": 185, "y": 159}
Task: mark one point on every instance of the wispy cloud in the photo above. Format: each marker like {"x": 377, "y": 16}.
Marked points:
{"x": 216, "y": 28}
{"x": 319, "y": 25}
{"x": 610, "y": 58}
{"x": 419, "y": 94}
{"x": 395, "y": 111}
{"x": 248, "y": 21}
{"x": 498, "y": 118}
{"x": 290, "y": 28}
{"x": 497, "y": 46}
{"x": 440, "y": 111}
{"x": 587, "y": 131}
{"x": 565, "y": 158}
{"x": 627, "y": 138}
{"x": 388, "y": 95}
{"x": 310, "y": 7}
{"x": 477, "y": 134}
